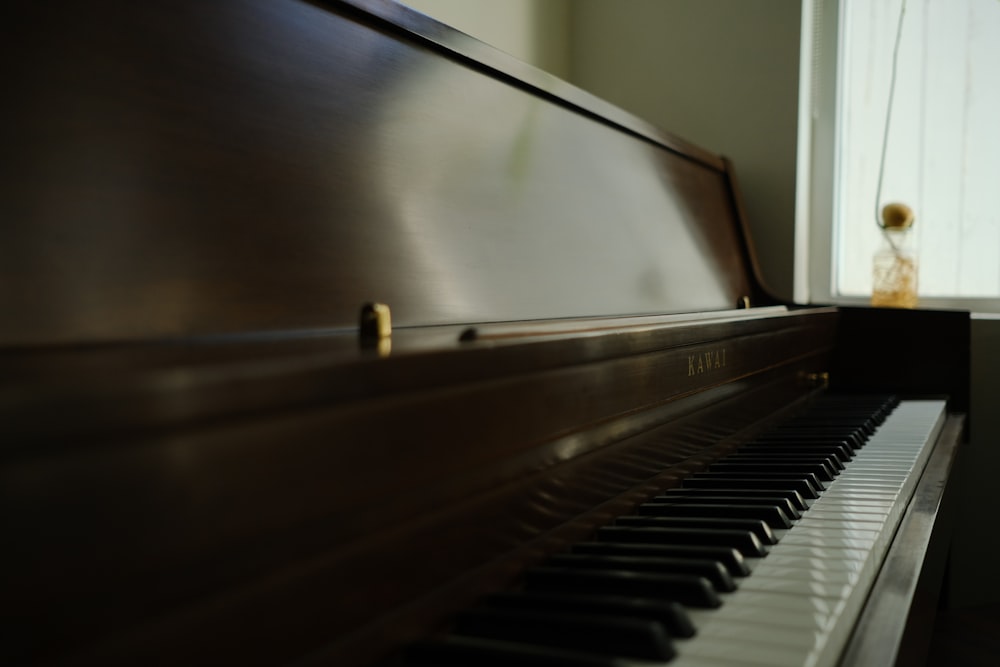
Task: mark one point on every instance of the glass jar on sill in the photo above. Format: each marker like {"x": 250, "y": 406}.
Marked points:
{"x": 894, "y": 277}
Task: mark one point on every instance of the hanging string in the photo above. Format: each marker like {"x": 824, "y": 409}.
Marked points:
{"x": 888, "y": 118}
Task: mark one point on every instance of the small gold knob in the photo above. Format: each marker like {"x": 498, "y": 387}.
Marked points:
{"x": 375, "y": 323}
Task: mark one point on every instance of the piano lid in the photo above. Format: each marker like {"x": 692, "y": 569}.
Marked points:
{"x": 200, "y": 168}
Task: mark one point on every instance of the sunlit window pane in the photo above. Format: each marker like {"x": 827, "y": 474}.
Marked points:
{"x": 943, "y": 151}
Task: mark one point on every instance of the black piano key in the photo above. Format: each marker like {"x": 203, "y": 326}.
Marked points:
{"x": 802, "y": 436}
{"x": 819, "y": 421}
{"x": 832, "y": 464}
{"x": 743, "y": 541}
{"x": 832, "y": 408}
{"x": 806, "y": 435}
{"x": 790, "y": 495}
{"x": 759, "y": 528}
{"x": 873, "y": 412}
{"x": 838, "y": 416}
{"x": 842, "y": 452}
{"x": 456, "y": 651}
{"x": 862, "y": 427}
{"x": 828, "y": 466}
{"x": 672, "y": 616}
{"x": 730, "y": 558}
{"x": 852, "y": 440}
{"x": 712, "y": 570}
{"x": 813, "y": 481}
{"x": 793, "y": 455}
{"x": 626, "y": 637}
{"x": 820, "y": 471}
{"x": 827, "y": 423}
{"x": 769, "y": 514}
{"x": 855, "y": 438}
{"x": 834, "y": 413}
{"x": 786, "y": 507}
{"x": 701, "y": 481}
{"x": 690, "y": 590}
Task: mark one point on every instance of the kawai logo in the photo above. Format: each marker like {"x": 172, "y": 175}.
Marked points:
{"x": 703, "y": 362}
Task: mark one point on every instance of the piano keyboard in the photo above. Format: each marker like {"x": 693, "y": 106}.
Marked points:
{"x": 765, "y": 559}
{"x": 799, "y": 604}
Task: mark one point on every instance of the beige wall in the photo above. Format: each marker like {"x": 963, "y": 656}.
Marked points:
{"x": 535, "y": 31}
{"x": 720, "y": 73}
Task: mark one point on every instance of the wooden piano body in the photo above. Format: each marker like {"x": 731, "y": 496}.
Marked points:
{"x": 204, "y": 463}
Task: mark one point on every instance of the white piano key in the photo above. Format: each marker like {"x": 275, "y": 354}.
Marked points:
{"x": 837, "y": 532}
{"x": 796, "y": 587}
{"x": 805, "y": 569}
{"x": 740, "y": 650}
{"x": 868, "y": 480}
{"x": 761, "y": 629}
{"x": 847, "y": 493}
{"x": 827, "y": 542}
{"x": 804, "y": 605}
{"x": 871, "y": 482}
{"x": 852, "y": 515}
{"x": 875, "y": 524}
{"x": 704, "y": 661}
{"x": 844, "y": 503}
{"x": 828, "y": 564}
{"x": 845, "y": 555}
{"x": 811, "y": 621}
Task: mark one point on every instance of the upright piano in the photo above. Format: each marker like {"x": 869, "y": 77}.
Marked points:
{"x": 332, "y": 336}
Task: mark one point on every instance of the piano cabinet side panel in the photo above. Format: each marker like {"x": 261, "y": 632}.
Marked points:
{"x": 910, "y": 352}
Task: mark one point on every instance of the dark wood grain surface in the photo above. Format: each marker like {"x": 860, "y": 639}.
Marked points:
{"x": 183, "y": 168}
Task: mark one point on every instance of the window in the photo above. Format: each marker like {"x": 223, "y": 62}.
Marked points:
{"x": 942, "y": 148}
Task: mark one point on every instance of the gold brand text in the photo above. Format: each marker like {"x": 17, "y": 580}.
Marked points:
{"x": 703, "y": 362}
